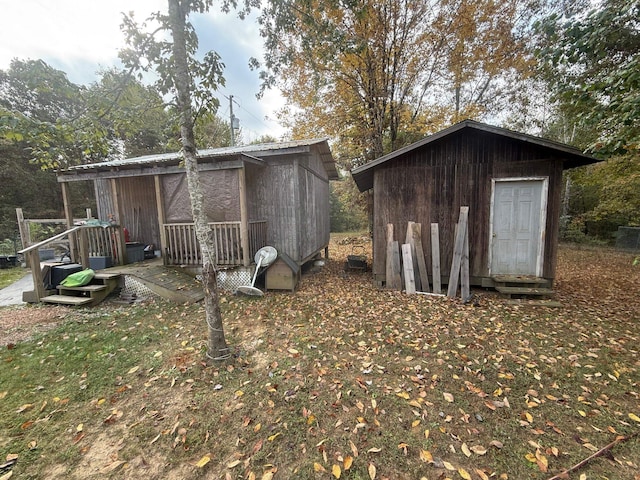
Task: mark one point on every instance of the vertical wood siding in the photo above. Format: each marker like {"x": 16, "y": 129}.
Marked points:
{"x": 293, "y": 197}
{"x": 429, "y": 184}
{"x": 140, "y": 216}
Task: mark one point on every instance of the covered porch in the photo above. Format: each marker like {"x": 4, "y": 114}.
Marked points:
{"x": 149, "y": 200}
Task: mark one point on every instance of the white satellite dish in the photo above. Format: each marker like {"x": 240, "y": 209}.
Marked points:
{"x": 264, "y": 257}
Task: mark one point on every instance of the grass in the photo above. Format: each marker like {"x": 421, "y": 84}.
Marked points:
{"x": 338, "y": 374}
{"x": 10, "y": 275}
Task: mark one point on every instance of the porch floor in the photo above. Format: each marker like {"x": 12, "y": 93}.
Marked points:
{"x": 168, "y": 282}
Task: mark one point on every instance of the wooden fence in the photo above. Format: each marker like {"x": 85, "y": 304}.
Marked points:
{"x": 183, "y": 247}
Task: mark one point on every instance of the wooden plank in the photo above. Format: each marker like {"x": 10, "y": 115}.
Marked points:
{"x": 66, "y": 300}
{"x": 409, "y": 239}
{"x": 162, "y": 217}
{"x": 525, "y": 291}
{"x": 458, "y": 248}
{"x": 407, "y": 264}
{"x": 394, "y": 280}
{"x": 22, "y": 227}
{"x": 419, "y": 252}
{"x": 465, "y": 290}
{"x": 389, "y": 256}
{"x": 84, "y": 288}
{"x": 435, "y": 258}
{"x": 33, "y": 259}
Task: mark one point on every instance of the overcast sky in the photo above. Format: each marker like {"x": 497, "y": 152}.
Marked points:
{"x": 81, "y": 37}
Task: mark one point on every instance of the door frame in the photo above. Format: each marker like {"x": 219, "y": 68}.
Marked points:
{"x": 544, "y": 194}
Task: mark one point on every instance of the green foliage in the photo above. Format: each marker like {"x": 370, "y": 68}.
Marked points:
{"x": 45, "y": 114}
{"x": 603, "y": 197}
{"x": 347, "y": 206}
{"x": 148, "y": 51}
{"x": 592, "y": 64}
{"x": 133, "y": 114}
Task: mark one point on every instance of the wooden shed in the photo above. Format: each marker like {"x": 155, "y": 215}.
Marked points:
{"x": 511, "y": 182}
{"x": 269, "y": 194}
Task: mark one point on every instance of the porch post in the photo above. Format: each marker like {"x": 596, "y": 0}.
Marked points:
{"x": 68, "y": 215}
{"x": 161, "y": 217}
{"x": 244, "y": 218}
{"x": 116, "y": 204}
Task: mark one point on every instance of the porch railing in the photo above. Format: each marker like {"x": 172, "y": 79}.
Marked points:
{"x": 183, "y": 247}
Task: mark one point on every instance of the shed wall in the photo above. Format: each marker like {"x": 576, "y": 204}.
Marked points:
{"x": 314, "y": 205}
{"x": 271, "y": 197}
{"x": 428, "y": 185}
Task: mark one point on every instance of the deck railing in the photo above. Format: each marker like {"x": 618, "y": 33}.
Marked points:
{"x": 183, "y": 247}
{"x": 105, "y": 242}
{"x": 89, "y": 241}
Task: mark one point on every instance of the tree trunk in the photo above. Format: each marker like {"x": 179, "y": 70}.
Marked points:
{"x": 217, "y": 345}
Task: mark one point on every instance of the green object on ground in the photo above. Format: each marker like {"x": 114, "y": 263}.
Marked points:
{"x": 78, "y": 279}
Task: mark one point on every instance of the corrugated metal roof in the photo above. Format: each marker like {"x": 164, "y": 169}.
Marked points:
{"x": 363, "y": 175}
{"x": 250, "y": 151}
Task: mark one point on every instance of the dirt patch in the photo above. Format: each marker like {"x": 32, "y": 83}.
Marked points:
{"x": 20, "y": 323}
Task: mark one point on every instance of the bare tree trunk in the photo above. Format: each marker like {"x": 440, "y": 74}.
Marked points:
{"x": 217, "y": 345}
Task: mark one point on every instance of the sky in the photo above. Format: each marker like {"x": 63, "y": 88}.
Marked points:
{"x": 81, "y": 37}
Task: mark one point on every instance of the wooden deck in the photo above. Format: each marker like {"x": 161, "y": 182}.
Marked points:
{"x": 168, "y": 282}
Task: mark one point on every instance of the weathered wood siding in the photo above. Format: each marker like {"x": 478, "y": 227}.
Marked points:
{"x": 137, "y": 203}
{"x": 104, "y": 199}
{"x": 313, "y": 188}
{"x": 137, "y": 200}
{"x": 429, "y": 184}
{"x": 272, "y": 197}
{"x": 292, "y": 195}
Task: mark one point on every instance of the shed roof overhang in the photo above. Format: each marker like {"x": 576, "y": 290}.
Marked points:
{"x": 212, "y": 159}
{"x": 571, "y": 156}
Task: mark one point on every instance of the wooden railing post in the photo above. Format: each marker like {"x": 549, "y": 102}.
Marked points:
{"x": 36, "y": 272}
{"x": 244, "y": 219}
{"x": 24, "y": 235}
{"x": 83, "y": 247}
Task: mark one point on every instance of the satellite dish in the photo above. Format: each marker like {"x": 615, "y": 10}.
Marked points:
{"x": 265, "y": 257}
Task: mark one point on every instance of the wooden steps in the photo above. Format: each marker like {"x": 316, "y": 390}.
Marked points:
{"x": 531, "y": 291}
{"x": 524, "y": 288}
{"x": 102, "y": 284}
{"x": 67, "y": 300}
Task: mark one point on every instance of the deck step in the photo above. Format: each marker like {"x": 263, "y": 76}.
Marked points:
{"x": 86, "y": 288}
{"x": 106, "y": 276}
{"x": 535, "y": 303}
{"x": 524, "y": 291}
{"x": 67, "y": 300}
{"x": 510, "y": 280}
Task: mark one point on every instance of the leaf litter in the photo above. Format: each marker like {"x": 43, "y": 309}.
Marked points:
{"x": 344, "y": 380}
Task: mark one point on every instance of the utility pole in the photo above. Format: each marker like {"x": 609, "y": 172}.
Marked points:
{"x": 231, "y": 118}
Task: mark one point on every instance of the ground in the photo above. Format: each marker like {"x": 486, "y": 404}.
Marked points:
{"x": 339, "y": 380}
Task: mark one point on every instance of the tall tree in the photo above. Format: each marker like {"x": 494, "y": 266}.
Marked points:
{"x": 133, "y": 114}
{"x": 592, "y": 63}
{"x": 47, "y": 112}
{"x": 376, "y": 74}
{"x": 189, "y": 81}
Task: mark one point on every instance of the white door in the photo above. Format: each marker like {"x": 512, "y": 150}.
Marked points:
{"x": 518, "y": 216}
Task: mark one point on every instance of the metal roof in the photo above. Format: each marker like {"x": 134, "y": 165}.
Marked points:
{"x": 245, "y": 152}
{"x": 572, "y": 157}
